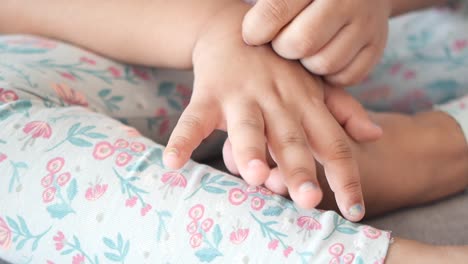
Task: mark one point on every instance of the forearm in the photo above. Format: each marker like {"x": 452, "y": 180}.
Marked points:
{"x": 400, "y": 7}
{"x": 152, "y": 32}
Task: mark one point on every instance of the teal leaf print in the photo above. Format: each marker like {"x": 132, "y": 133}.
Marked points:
{"x": 217, "y": 235}
{"x": 152, "y": 156}
{"x": 59, "y": 211}
{"x": 346, "y": 230}
{"x": 359, "y": 260}
{"x": 120, "y": 248}
{"x": 22, "y": 233}
{"x": 273, "y": 211}
{"x": 76, "y": 135}
{"x": 166, "y": 89}
{"x": 72, "y": 190}
{"x": 207, "y": 254}
{"x": 162, "y": 223}
{"x": 111, "y": 102}
{"x": 15, "y": 177}
{"x": 341, "y": 226}
{"x": 207, "y": 184}
{"x": 67, "y": 252}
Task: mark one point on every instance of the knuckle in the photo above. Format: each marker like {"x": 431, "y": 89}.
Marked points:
{"x": 191, "y": 121}
{"x": 351, "y": 187}
{"x": 250, "y": 123}
{"x": 251, "y": 152}
{"x": 340, "y": 150}
{"x": 182, "y": 141}
{"x": 342, "y": 79}
{"x": 291, "y": 138}
{"x": 276, "y": 11}
{"x": 300, "y": 172}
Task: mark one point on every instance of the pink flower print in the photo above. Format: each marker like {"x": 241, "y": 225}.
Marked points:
{"x": 335, "y": 260}
{"x": 265, "y": 191}
{"x": 336, "y": 249}
{"x": 123, "y": 159}
{"x": 131, "y": 131}
{"x": 103, "y": 150}
{"x": 47, "y": 180}
{"x": 238, "y": 236}
{"x": 196, "y": 212}
{"x": 380, "y": 261}
{"x": 137, "y": 147}
{"x": 348, "y": 258}
{"x": 121, "y": 143}
{"x": 63, "y": 179}
{"x": 70, "y": 96}
{"x": 142, "y": 73}
{"x": 55, "y": 165}
{"x": 237, "y": 196}
{"x": 68, "y": 76}
{"x": 116, "y": 73}
{"x": 5, "y": 235}
{"x": 287, "y": 251}
{"x": 184, "y": 90}
{"x": 95, "y": 192}
{"x": 161, "y": 112}
{"x": 174, "y": 179}
{"x": 308, "y": 223}
{"x": 207, "y": 224}
{"x": 38, "y": 129}
{"x": 409, "y": 75}
{"x": 49, "y": 194}
{"x": 88, "y": 60}
{"x": 460, "y": 45}
{"x": 7, "y": 96}
{"x": 59, "y": 240}
{"x": 395, "y": 69}
{"x": 371, "y": 232}
{"x": 78, "y": 259}
{"x": 145, "y": 209}
{"x": 3, "y": 157}
{"x": 252, "y": 189}
{"x": 50, "y": 262}
{"x": 195, "y": 240}
{"x": 164, "y": 127}
{"x": 257, "y": 203}
{"x": 192, "y": 227}
{"x": 273, "y": 244}
{"x": 131, "y": 201}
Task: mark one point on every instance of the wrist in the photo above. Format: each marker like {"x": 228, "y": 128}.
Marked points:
{"x": 223, "y": 28}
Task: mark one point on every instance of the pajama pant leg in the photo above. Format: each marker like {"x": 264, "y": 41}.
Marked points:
{"x": 425, "y": 65}
{"x": 77, "y": 186}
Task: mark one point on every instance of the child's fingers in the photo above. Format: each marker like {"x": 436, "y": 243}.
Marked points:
{"x": 332, "y": 149}
{"x": 291, "y": 150}
{"x": 196, "y": 123}
{"x": 246, "y": 133}
{"x": 360, "y": 66}
{"x": 263, "y": 22}
{"x": 338, "y": 53}
{"x": 312, "y": 29}
{"x": 275, "y": 182}
{"x": 351, "y": 115}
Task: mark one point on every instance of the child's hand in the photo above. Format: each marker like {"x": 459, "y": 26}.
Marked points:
{"x": 340, "y": 39}
{"x": 260, "y": 98}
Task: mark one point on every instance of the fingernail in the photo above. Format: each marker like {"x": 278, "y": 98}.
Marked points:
{"x": 355, "y": 210}
{"x": 172, "y": 152}
{"x": 377, "y": 126}
{"x": 308, "y": 186}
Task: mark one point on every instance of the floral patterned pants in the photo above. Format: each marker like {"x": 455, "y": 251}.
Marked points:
{"x": 80, "y": 184}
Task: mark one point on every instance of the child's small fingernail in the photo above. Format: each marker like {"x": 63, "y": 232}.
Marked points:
{"x": 308, "y": 186}
{"x": 171, "y": 155}
{"x": 356, "y": 210}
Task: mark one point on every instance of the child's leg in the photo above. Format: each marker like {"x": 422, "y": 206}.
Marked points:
{"x": 78, "y": 186}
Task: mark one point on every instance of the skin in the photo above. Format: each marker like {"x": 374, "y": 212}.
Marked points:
{"x": 91, "y": 24}
{"x": 341, "y": 51}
